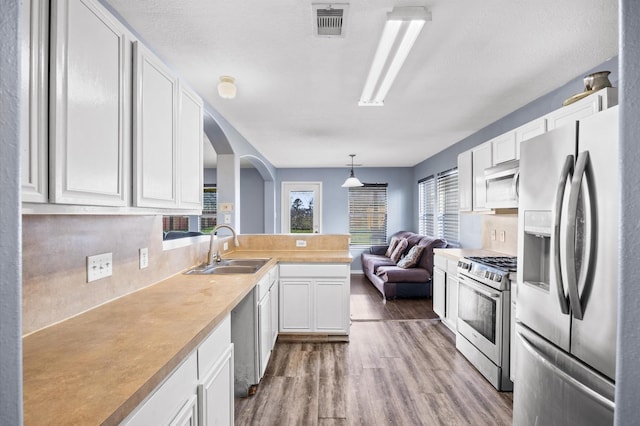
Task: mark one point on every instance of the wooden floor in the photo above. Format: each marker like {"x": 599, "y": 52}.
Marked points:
{"x": 399, "y": 368}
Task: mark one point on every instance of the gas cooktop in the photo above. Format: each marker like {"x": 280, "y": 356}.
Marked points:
{"x": 506, "y": 263}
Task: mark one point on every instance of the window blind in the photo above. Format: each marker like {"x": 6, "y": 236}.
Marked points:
{"x": 427, "y": 206}
{"x": 447, "y": 205}
{"x": 368, "y": 214}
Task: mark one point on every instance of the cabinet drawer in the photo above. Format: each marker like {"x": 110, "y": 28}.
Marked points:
{"x": 314, "y": 270}
{"x": 440, "y": 262}
{"x": 213, "y": 346}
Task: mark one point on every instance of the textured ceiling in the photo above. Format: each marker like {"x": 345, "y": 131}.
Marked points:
{"x": 474, "y": 63}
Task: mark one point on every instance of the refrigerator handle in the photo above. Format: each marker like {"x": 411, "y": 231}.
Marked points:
{"x": 567, "y": 170}
{"x": 572, "y": 285}
{"x": 567, "y": 378}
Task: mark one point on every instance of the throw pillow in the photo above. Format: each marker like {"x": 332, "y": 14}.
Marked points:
{"x": 412, "y": 258}
{"x": 392, "y": 245}
{"x": 400, "y": 248}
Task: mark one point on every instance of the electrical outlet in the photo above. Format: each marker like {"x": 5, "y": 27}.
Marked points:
{"x": 493, "y": 235}
{"x": 502, "y": 236}
{"x": 99, "y": 266}
{"x": 301, "y": 243}
{"x": 225, "y": 207}
{"x": 225, "y": 246}
{"x": 227, "y": 218}
{"x": 144, "y": 257}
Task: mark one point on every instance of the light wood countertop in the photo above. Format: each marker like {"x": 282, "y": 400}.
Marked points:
{"x": 97, "y": 367}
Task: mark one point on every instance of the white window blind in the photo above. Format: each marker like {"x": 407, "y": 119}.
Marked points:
{"x": 368, "y": 214}
{"x": 438, "y": 206}
{"x": 447, "y": 204}
{"x": 427, "y": 206}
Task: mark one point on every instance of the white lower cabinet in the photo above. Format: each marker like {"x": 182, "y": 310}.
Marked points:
{"x": 445, "y": 290}
{"x": 264, "y": 328}
{"x": 199, "y": 391}
{"x": 314, "y": 298}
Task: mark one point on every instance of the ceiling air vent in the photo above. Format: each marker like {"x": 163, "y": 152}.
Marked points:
{"x": 330, "y": 19}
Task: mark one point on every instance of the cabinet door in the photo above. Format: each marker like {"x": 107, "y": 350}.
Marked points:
{"x": 295, "y": 305}
{"x": 439, "y": 293}
{"x": 330, "y": 304}
{"x": 90, "y": 71}
{"x": 574, "y": 112}
{"x": 264, "y": 328}
{"x": 188, "y": 415}
{"x": 481, "y": 157}
{"x": 34, "y": 140}
{"x": 503, "y": 148}
{"x": 190, "y": 129}
{"x": 528, "y": 131}
{"x": 155, "y": 147}
{"x": 275, "y": 300}
{"x": 215, "y": 393}
{"x": 465, "y": 181}
{"x": 452, "y": 301}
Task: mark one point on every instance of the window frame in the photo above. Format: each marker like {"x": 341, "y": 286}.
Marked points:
{"x": 445, "y": 194}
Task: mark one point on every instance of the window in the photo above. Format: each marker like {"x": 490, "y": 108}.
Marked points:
{"x": 438, "y": 206}
{"x": 206, "y": 222}
{"x": 368, "y": 214}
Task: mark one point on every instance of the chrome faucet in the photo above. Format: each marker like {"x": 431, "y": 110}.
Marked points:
{"x": 215, "y": 256}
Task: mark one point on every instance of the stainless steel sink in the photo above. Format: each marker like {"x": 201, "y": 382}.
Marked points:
{"x": 229, "y": 266}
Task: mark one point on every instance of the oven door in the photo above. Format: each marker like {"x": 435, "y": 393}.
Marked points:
{"x": 480, "y": 316}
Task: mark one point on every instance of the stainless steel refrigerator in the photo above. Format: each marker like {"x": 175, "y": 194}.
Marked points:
{"x": 566, "y": 305}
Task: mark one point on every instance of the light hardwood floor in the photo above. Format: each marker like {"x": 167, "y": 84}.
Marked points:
{"x": 399, "y": 368}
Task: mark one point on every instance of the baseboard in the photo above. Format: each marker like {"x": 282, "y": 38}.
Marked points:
{"x": 312, "y": 338}
{"x": 357, "y": 272}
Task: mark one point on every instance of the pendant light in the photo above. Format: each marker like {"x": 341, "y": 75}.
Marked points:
{"x": 352, "y": 181}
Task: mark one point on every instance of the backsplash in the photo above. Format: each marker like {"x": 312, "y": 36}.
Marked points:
{"x": 504, "y": 223}
{"x": 54, "y": 251}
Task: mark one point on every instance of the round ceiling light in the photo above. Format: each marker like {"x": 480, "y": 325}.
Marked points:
{"x": 226, "y": 87}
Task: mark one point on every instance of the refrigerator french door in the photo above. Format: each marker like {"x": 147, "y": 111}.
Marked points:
{"x": 566, "y": 305}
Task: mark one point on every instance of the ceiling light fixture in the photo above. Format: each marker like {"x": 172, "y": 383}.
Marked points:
{"x": 352, "y": 181}
{"x": 400, "y": 32}
{"x": 226, "y": 87}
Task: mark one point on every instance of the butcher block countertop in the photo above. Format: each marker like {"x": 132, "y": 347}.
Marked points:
{"x": 97, "y": 367}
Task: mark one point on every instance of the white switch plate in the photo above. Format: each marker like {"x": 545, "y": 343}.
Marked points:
{"x": 99, "y": 266}
{"x": 226, "y": 207}
{"x": 493, "y": 235}
{"x": 301, "y": 243}
{"x": 502, "y": 236}
{"x": 227, "y": 218}
{"x": 144, "y": 257}
{"x": 225, "y": 246}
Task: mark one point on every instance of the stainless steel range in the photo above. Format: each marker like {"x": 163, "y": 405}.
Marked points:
{"x": 484, "y": 310}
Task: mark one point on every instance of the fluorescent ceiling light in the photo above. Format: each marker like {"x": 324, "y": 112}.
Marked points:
{"x": 400, "y": 32}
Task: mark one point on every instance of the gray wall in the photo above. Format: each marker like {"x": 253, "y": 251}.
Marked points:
{"x": 628, "y": 354}
{"x": 11, "y": 103}
{"x": 251, "y": 201}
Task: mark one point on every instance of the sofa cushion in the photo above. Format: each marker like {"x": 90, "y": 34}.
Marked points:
{"x": 394, "y": 274}
{"x": 392, "y": 246}
{"x": 399, "y": 250}
{"x": 412, "y": 258}
{"x": 429, "y": 243}
{"x": 371, "y": 262}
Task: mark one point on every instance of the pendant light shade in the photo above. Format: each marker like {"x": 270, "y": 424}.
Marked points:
{"x": 352, "y": 181}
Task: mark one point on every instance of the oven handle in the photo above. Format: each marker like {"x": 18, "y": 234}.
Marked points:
{"x": 476, "y": 287}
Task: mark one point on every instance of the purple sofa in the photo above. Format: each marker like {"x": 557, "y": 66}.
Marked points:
{"x": 393, "y": 281}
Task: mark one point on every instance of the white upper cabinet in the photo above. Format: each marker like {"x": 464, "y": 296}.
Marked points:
{"x": 583, "y": 108}
{"x": 155, "y": 132}
{"x": 34, "y": 142}
{"x": 465, "y": 181}
{"x": 190, "y": 166}
{"x": 503, "y": 148}
{"x": 481, "y": 159}
{"x": 90, "y": 106}
{"x": 528, "y": 131}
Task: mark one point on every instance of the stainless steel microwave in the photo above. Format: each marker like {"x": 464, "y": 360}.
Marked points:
{"x": 502, "y": 185}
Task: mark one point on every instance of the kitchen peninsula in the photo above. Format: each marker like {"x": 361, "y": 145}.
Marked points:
{"x": 98, "y": 366}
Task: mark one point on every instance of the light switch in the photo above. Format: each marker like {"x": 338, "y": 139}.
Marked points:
{"x": 99, "y": 266}
{"x": 144, "y": 257}
{"x": 227, "y": 218}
